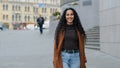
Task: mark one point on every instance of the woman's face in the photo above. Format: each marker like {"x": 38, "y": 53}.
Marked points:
{"x": 69, "y": 16}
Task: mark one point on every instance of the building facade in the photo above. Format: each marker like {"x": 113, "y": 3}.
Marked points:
{"x": 26, "y": 11}
{"x": 110, "y": 26}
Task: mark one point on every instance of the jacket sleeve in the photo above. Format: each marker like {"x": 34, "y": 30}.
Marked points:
{"x": 55, "y": 55}
{"x": 84, "y": 40}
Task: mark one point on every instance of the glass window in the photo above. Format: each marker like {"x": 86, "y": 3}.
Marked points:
{"x": 37, "y": 10}
{"x": 3, "y": 17}
{"x": 45, "y": 10}
{"x": 13, "y": 7}
{"x": 42, "y": 10}
{"x": 3, "y": 6}
{"x": 87, "y": 2}
{"x": 34, "y": 18}
{"x": 6, "y": 6}
{"x": 28, "y": 8}
{"x": 19, "y": 7}
{"x": 25, "y": 8}
{"x": 50, "y": 10}
{"x": 19, "y": 18}
{"x": 6, "y": 17}
{"x": 12, "y": 17}
{"x": 16, "y": 17}
{"x": 33, "y": 9}
{"x": 25, "y": 18}
{"x": 28, "y": 18}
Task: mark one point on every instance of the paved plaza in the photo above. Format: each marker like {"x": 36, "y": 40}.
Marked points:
{"x": 30, "y": 49}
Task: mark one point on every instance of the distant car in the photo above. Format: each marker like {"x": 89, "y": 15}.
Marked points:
{"x": 1, "y": 27}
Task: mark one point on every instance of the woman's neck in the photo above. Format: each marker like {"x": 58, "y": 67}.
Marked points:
{"x": 69, "y": 23}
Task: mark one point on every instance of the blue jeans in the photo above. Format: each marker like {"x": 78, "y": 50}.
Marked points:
{"x": 70, "y": 60}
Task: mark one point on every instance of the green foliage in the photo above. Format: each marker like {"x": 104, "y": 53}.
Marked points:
{"x": 56, "y": 14}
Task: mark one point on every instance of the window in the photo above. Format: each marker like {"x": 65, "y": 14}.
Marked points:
{"x": 5, "y": 17}
{"x": 13, "y": 7}
{"x": 16, "y": 7}
{"x": 19, "y": 7}
{"x": 16, "y": 17}
{"x": 87, "y": 2}
{"x": 55, "y": 10}
{"x": 5, "y": 6}
{"x": 12, "y": 17}
{"x": 27, "y": 8}
{"x": 27, "y": 18}
{"x": 19, "y": 18}
{"x": 35, "y": 10}
{"x": 50, "y": 10}
{"x": 35, "y": 18}
{"x": 44, "y": 10}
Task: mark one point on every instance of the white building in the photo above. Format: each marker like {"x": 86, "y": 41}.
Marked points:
{"x": 102, "y": 13}
{"x": 110, "y": 26}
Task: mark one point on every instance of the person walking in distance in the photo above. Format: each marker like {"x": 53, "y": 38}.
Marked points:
{"x": 69, "y": 50}
{"x": 40, "y": 22}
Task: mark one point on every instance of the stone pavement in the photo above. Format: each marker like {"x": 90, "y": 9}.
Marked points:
{"x": 30, "y": 49}
{"x": 98, "y": 59}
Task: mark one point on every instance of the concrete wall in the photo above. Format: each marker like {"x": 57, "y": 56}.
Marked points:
{"x": 88, "y": 14}
{"x": 110, "y": 26}
{"x": 52, "y": 25}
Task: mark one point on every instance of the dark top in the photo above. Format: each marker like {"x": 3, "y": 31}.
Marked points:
{"x": 70, "y": 39}
{"x": 40, "y": 20}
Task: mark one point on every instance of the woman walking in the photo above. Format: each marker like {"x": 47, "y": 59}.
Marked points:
{"x": 69, "y": 51}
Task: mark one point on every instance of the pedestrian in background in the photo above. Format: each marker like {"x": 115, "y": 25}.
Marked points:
{"x": 69, "y": 47}
{"x": 40, "y": 22}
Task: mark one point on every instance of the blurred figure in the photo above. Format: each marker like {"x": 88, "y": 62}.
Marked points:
{"x": 40, "y": 22}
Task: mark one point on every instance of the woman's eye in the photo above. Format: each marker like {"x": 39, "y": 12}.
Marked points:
{"x": 67, "y": 14}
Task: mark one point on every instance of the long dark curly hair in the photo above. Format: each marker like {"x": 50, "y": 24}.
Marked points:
{"x": 62, "y": 23}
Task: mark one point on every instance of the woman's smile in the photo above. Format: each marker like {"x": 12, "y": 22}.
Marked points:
{"x": 69, "y": 16}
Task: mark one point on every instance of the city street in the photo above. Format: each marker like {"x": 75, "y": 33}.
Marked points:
{"x": 30, "y": 49}
{"x": 25, "y": 49}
